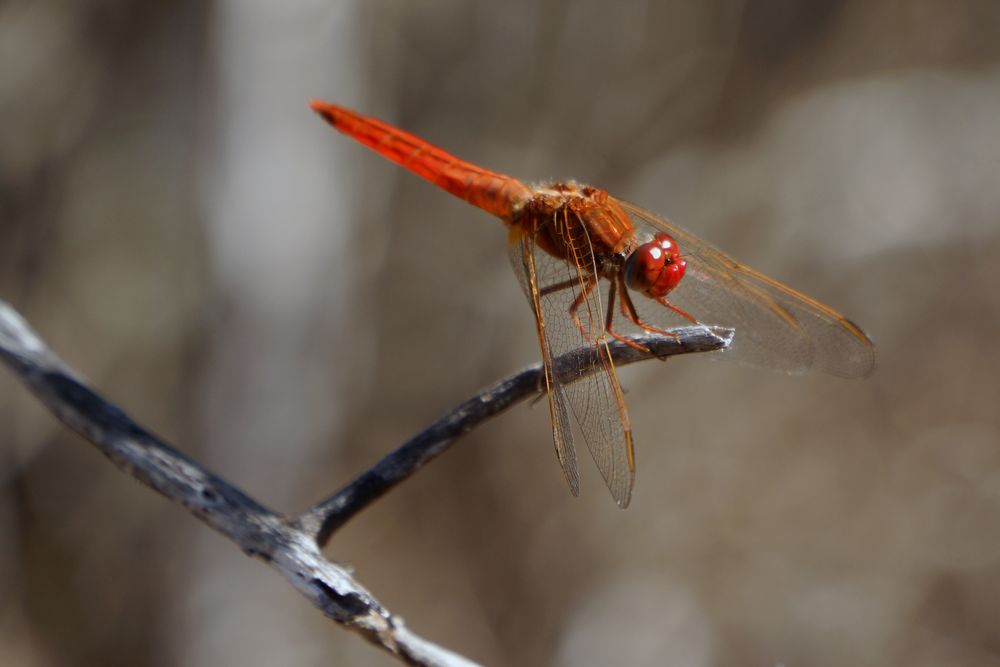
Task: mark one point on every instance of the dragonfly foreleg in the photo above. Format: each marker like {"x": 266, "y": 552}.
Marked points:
{"x": 609, "y": 320}
{"x": 629, "y": 310}
{"x": 663, "y": 301}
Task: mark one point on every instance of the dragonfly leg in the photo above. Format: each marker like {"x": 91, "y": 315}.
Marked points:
{"x": 609, "y": 321}
{"x": 557, "y": 287}
{"x": 628, "y": 308}
{"x": 588, "y": 285}
{"x": 663, "y": 300}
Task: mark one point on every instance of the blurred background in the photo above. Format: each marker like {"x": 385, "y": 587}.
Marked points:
{"x": 288, "y": 307}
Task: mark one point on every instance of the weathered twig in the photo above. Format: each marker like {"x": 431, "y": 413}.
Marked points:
{"x": 291, "y": 544}
{"x": 257, "y": 530}
{"x": 327, "y": 516}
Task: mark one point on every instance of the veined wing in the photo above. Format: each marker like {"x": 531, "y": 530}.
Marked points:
{"x": 595, "y": 399}
{"x": 776, "y": 326}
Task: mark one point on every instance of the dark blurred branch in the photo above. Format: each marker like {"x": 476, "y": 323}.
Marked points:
{"x": 257, "y": 530}
{"x": 291, "y": 545}
{"x": 323, "y": 519}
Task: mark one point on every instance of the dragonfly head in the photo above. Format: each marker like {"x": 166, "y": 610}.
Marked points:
{"x": 655, "y": 267}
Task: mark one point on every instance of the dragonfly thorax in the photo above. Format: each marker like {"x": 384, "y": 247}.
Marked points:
{"x": 580, "y": 224}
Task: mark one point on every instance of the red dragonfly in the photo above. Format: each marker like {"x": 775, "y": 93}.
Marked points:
{"x": 565, "y": 238}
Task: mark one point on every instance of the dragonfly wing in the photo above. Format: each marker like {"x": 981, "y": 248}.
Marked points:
{"x": 776, "y": 326}
{"x": 523, "y": 260}
{"x": 595, "y": 399}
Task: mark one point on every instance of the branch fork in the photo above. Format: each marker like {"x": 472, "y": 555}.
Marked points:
{"x": 292, "y": 544}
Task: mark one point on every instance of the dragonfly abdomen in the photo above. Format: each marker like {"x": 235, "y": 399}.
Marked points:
{"x": 493, "y": 192}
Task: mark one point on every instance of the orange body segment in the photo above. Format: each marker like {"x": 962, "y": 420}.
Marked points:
{"x": 495, "y": 193}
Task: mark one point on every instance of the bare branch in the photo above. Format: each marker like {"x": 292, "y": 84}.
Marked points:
{"x": 323, "y": 519}
{"x": 257, "y": 530}
{"x": 292, "y": 545}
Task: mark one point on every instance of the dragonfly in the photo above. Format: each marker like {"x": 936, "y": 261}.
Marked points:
{"x": 568, "y": 242}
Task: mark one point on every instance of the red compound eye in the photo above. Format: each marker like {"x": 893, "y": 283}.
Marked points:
{"x": 656, "y": 267}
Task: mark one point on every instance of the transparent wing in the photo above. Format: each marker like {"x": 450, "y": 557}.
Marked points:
{"x": 522, "y": 258}
{"x": 553, "y": 286}
{"x": 776, "y": 327}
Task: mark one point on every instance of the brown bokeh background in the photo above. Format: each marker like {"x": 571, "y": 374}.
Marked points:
{"x": 287, "y": 307}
